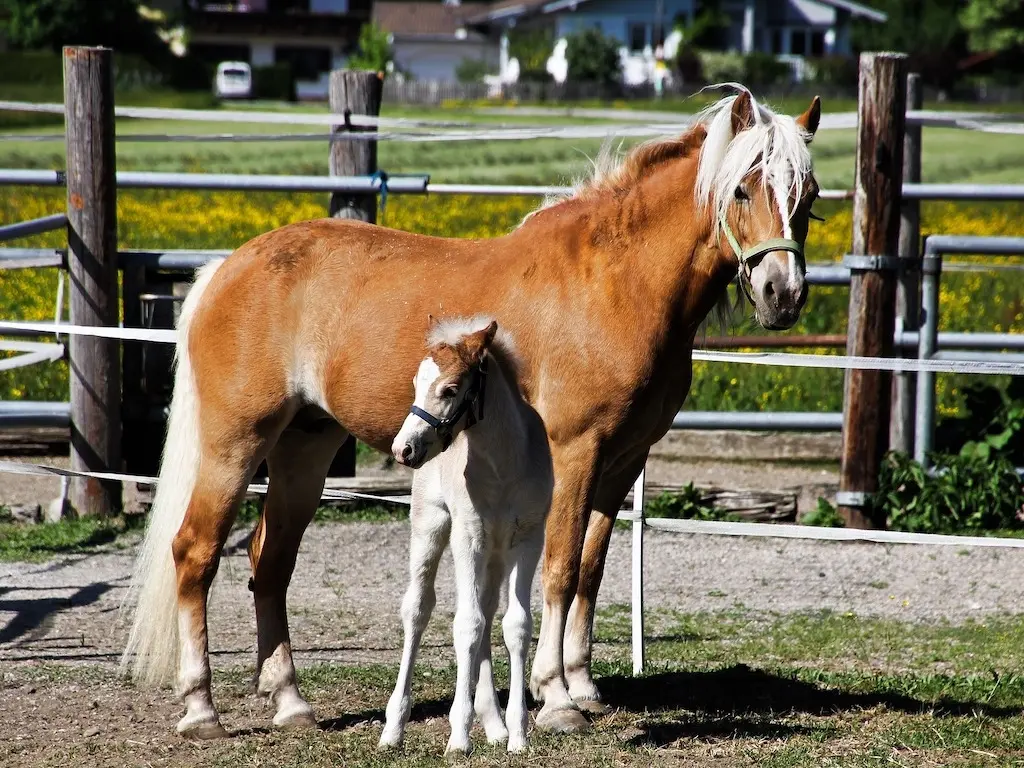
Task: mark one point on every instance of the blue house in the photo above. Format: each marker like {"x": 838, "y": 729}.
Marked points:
{"x": 787, "y": 28}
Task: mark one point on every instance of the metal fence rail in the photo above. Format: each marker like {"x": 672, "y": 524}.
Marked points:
{"x": 33, "y": 226}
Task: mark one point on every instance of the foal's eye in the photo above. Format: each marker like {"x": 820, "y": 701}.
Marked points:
{"x": 449, "y": 392}
{"x": 741, "y": 194}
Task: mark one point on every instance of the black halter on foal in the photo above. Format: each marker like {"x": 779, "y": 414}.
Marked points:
{"x": 445, "y": 428}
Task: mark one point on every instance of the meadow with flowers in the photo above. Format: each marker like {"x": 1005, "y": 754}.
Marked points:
{"x": 991, "y": 300}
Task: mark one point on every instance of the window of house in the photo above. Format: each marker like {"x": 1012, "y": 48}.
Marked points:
{"x": 776, "y": 41}
{"x": 637, "y": 37}
{"x": 798, "y": 42}
{"x": 817, "y": 43}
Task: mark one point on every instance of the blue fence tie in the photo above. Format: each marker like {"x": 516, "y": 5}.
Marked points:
{"x": 382, "y": 177}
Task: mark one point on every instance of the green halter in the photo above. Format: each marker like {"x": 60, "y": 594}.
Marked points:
{"x": 756, "y": 252}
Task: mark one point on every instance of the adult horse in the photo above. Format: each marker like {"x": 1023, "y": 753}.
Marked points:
{"x": 311, "y": 332}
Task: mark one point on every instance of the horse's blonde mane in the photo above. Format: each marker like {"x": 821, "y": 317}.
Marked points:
{"x": 775, "y": 145}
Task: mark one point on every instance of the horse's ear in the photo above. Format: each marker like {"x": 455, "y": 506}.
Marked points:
{"x": 809, "y": 120}
{"x": 477, "y": 343}
{"x": 742, "y": 113}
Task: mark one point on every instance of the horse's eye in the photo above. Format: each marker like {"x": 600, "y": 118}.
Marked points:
{"x": 449, "y": 392}
{"x": 741, "y": 194}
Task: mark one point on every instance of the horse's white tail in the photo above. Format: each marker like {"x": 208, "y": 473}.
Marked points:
{"x": 151, "y": 653}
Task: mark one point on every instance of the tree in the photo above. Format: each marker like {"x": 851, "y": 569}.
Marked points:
{"x": 374, "y": 49}
{"x": 993, "y": 25}
{"x": 928, "y": 30}
{"x": 53, "y": 24}
{"x": 593, "y": 57}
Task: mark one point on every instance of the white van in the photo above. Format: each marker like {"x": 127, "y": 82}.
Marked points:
{"x": 233, "y": 80}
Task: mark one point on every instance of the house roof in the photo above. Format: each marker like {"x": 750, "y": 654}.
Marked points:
{"x": 425, "y": 19}
{"x": 508, "y": 9}
{"x": 856, "y": 9}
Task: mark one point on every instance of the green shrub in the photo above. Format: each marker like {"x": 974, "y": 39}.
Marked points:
{"x": 823, "y": 516}
{"x": 836, "y": 71}
{"x": 593, "y": 57}
{"x": 764, "y": 69}
{"x": 472, "y": 70}
{"x": 721, "y": 67}
{"x": 962, "y": 494}
{"x": 274, "y": 81}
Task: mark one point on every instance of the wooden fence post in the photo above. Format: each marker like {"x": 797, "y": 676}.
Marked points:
{"x": 881, "y": 119}
{"x": 908, "y": 287}
{"x": 357, "y": 93}
{"x": 95, "y": 364}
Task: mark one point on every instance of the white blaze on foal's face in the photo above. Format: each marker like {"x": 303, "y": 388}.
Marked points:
{"x": 436, "y": 394}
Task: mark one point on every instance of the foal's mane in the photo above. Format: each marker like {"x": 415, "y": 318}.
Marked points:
{"x": 452, "y": 330}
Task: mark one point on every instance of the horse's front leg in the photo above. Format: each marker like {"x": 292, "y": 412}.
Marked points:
{"x": 574, "y": 470}
{"x": 578, "y": 648}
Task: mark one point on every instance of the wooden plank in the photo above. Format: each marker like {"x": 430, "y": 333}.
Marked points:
{"x": 92, "y": 261}
{"x": 358, "y": 93}
{"x": 908, "y": 287}
{"x": 881, "y": 120}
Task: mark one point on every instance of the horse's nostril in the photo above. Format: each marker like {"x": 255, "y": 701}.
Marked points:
{"x": 769, "y": 289}
{"x": 407, "y": 451}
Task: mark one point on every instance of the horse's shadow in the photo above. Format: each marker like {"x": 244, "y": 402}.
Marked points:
{"x": 729, "y": 702}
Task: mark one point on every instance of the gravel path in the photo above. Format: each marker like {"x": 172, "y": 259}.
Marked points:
{"x": 345, "y": 596}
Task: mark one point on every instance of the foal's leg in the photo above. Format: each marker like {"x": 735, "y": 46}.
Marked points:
{"x": 486, "y": 702}
{"x": 223, "y": 476}
{"x": 574, "y": 471}
{"x": 430, "y": 527}
{"x": 580, "y": 628}
{"x": 517, "y": 627}
{"x": 468, "y": 627}
{"x": 297, "y": 467}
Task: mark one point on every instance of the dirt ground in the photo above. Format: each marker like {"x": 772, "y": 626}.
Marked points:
{"x": 60, "y": 636}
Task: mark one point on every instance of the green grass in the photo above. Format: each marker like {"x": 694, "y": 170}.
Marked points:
{"x": 948, "y": 154}
{"x": 730, "y": 688}
{"x": 35, "y": 543}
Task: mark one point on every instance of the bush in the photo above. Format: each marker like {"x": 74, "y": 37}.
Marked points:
{"x": 274, "y": 81}
{"x": 964, "y": 494}
{"x": 374, "y": 51}
{"x": 472, "y": 70}
{"x": 764, "y": 69}
{"x": 722, "y": 67}
{"x": 836, "y": 71}
{"x": 593, "y": 57}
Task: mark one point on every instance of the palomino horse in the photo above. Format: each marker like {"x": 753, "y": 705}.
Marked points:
{"x": 302, "y": 337}
{"x": 487, "y": 490}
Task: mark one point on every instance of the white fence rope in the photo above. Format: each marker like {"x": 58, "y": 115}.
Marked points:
{"x": 32, "y": 352}
{"x": 977, "y": 121}
{"x": 789, "y": 359}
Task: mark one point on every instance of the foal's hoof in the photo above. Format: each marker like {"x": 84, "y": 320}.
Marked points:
{"x": 201, "y": 729}
{"x": 563, "y": 720}
{"x": 592, "y": 706}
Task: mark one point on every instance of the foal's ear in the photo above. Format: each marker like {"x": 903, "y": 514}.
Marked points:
{"x": 742, "y": 113}
{"x": 809, "y": 120}
{"x": 477, "y": 343}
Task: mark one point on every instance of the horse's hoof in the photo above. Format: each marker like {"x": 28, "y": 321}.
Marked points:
{"x": 592, "y": 706}
{"x": 563, "y": 720}
{"x": 295, "y": 720}
{"x": 389, "y": 743}
{"x": 201, "y": 729}
{"x": 457, "y": 749}
{"x": 516, "y": 744}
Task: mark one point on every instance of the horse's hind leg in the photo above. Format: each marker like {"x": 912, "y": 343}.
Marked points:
{"x": 196, "y": 548}
{"x": 297, "y": 466}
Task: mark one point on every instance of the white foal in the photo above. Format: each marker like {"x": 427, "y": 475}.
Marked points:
{"x": 488, "y": 489}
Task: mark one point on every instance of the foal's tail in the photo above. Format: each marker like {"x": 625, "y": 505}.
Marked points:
{"x": 151, "y": 652}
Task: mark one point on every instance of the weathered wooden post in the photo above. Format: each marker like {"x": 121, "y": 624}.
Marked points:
{"x": 95, "y": 364}
{"x": 353, "y": 92}
{"x": 908, "y": 287}
{"x": 876, "y": 228}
